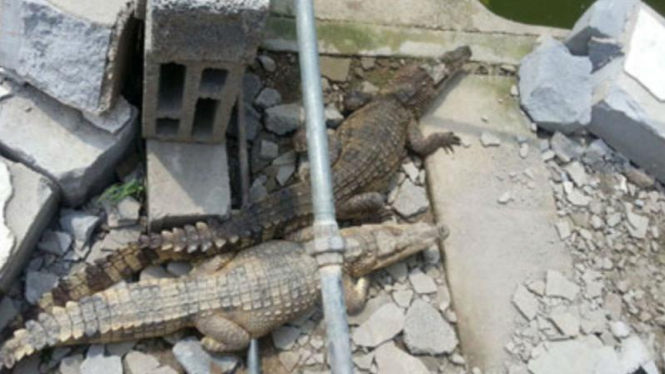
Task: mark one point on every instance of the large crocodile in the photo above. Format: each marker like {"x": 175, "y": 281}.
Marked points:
{"x": 229, "y": 300}
{"x": 372, "y": 143}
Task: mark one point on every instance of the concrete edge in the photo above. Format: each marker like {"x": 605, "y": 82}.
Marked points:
{"x": 352, "y": 38}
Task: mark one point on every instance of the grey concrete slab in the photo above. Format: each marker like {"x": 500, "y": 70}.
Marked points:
{"x": 186, "y": 182}
{"x": 493, "y": 246}
{"x": 74, "y": 51}
{"x": 59, "y": 142}
{"x": 33, "y": 204}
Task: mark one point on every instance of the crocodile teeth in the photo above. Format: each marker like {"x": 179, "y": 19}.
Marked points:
{"x": 180, "y": 240}
{"x": 205, "y": 247}
{"x": 167, "y": 245}
{"x": 219, "y": 243}
{"x": 234, "y": 239}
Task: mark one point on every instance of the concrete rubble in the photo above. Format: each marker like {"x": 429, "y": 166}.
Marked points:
{"x": 75, "y": 52}
{"x": 81, "y": 168}
{"x": 25, "y": 214}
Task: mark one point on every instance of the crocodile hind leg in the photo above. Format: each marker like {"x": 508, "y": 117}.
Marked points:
{"x": 361, "y": 205}
{"x": 425, "y": 146}
{"x": 221, "y": 334}
{"x": 355, "y": 293}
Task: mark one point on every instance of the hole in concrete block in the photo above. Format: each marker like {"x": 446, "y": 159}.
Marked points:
{"x": 167, "y": 127}
{"x": 213, "y": 81}
{"x": 171, "y": 86}
{"x": 204, "y": 117}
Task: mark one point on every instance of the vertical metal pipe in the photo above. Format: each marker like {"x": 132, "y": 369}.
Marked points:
{"x": 253, "y": 358}
{"x": 328, "y": 245}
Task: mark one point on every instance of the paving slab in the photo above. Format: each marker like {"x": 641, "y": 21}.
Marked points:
{"x": 492, "y": 247}
{"x": 32, "y": 205}
{"x": 186, "y": 181}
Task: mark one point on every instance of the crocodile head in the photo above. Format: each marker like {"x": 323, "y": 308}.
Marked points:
{"x": 387, "y": 244}
{"x": 417, "y": 85}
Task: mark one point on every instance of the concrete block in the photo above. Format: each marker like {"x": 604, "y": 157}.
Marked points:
{"x": 603, "y": 50}
{"x": 195, "y": 58}
{"x": 27, "y": 212}
{"x": 186, "y": 182}
{"x": 59, "y": 142}
{"x": 74, "y": 51}
{"x": 555, "y": 88}
{"x": 646, "y": 57}
{"x": 631, "y": 120}
{"x": 604, "y": 19}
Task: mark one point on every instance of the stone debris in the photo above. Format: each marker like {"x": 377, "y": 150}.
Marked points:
{"x": 284, "y": 119}
{"x": 576, "y": 172}
{"x": 289, "y": 360}
{"x": 526, "y": 303}
{"x": 269, "y": 149}
{"x": 422, "y": 283}
{"x": 267, "y": 63}
{"x": 563, "y": 228}
{"x": 55, "y": 242}
{"x": 557, "y": 285}
{"x": 124, "y": 213}
{"x": 140, "y": 363}
{"x": 284, "y": 337}
{"x": 489, "y": 140}
{"x": 426, "y": 332}
{"x": 505, "y": 198}
{"x": 564, "y": 148}
{"x": 392, "y": 360}
{"x": 383, "y": 325}
{"x": 568, "y": 324}
{"x": 334, "y": 117}
{"x": 576, "y": 357}
{"x": 268, "y": 98}
{"x": 195, "y": 360}
{"x": 638, "y": 225}
{"x": 7, "y": 311}
{"x": 403, "y": 298}
{"x": 334, "y": 68}
{"x": 37, "y": 283}
{"x": 99, "y": 364}
{"x": 411, "y": 200}
{"x": 71, "y": 364}
{"x": 556, "y": 87}
{"x": 79, "y": 224}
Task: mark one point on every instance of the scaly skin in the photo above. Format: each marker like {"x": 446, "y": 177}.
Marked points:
{"x": 229, "y": 300}
{"x": 372, "y": 145}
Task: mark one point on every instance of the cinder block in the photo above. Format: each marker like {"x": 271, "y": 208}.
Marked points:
{"x": 75, "y": 51}
{"x": 32, "y": 205}
{"x": 186, "y": 182}
{"x": 195, "y": 58}
{"x": 62, "y": 144}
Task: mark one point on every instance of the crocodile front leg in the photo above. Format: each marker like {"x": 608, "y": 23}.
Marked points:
{"x": 221, "y": 334}
{"x": 212, "y": 265}
{"x": 425, "y": 146}
{"x": 355, "y": 293}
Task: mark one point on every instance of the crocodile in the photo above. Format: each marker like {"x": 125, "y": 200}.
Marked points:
{"x": 230, "y": 299}
{"x": 369, "y": 145}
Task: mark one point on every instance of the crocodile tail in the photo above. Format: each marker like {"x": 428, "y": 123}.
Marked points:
{"x": 47, "y": 330}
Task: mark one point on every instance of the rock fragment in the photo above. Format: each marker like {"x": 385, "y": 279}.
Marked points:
{"x": 489, "y": 140}
{"x": 392, "y": 360}
{"x": 195, "y": 360}
{"x": 421, "y": 282}
{"x": 284, "y": 119}
{"x": 526, "y": 303}
{"x": 411, "y": 200}
{"x": 426, "y": 332}
{"x": 557, "y": 285}
{"x": 383, "y": 325}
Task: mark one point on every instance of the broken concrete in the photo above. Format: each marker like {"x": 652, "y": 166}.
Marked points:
{"x": 556, "y": 88}
{"x": 604, "y": 19}
{"x": 58, "y": 142}
{"x": 27, "y": 213}
{"x": 74, "y": 51}
{"x": 492, "y": 248}
{"x": 195, "y": 57}
{"x": 186, "y": 182}
{"x": 631, "y": 120}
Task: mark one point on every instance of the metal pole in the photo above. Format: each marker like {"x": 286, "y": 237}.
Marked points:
{"x": 253, "y": 358}
{"x": 328, "y": 246}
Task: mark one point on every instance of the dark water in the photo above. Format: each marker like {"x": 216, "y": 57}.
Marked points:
{"x": 559, "y": 13}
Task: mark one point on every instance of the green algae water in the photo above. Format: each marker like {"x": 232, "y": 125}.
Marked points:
{"x": 557, "y": 13}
